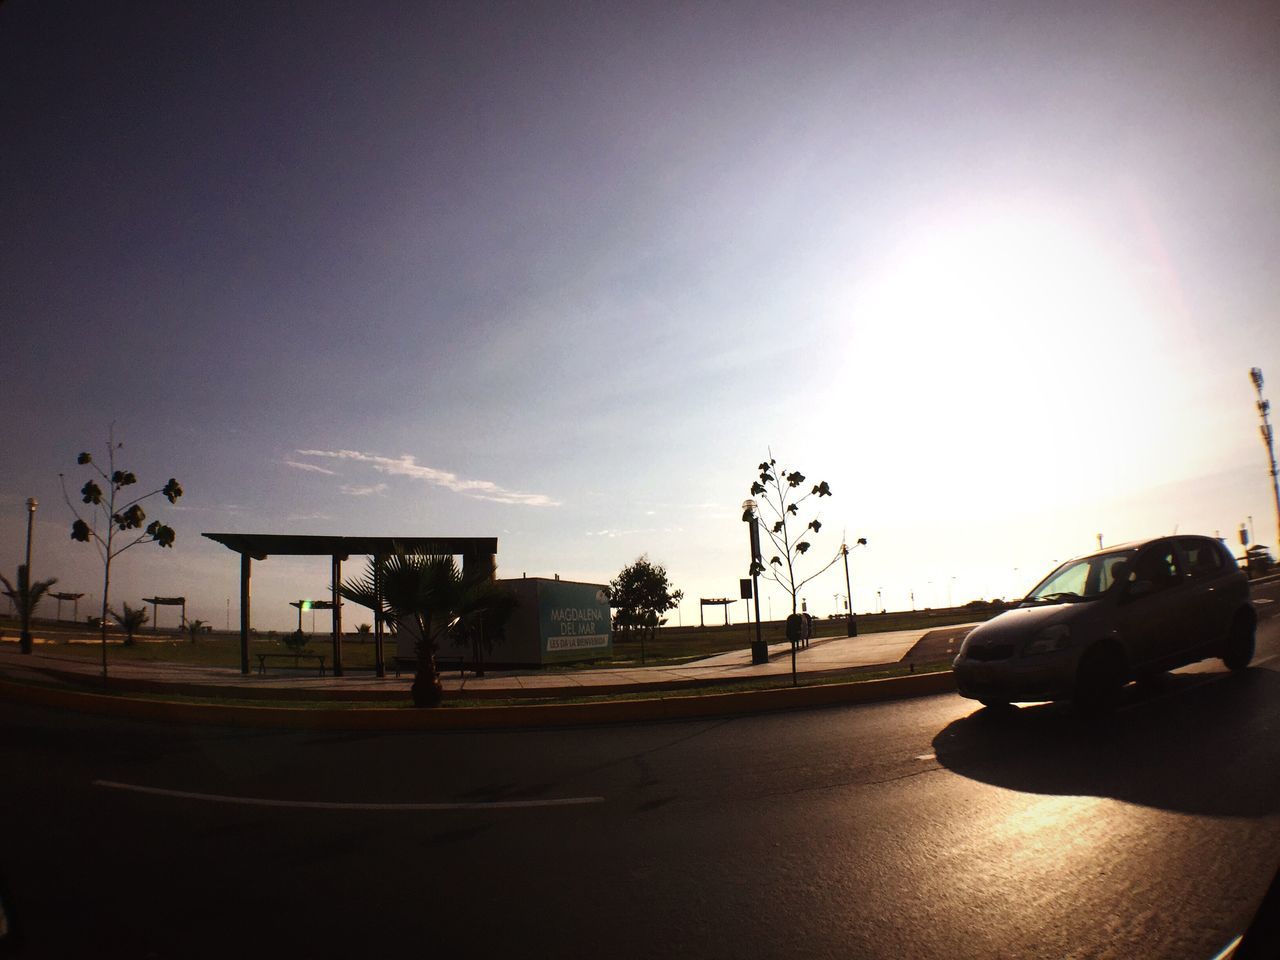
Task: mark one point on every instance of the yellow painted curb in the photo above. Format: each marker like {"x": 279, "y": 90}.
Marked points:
{"x": 476, "y": 718}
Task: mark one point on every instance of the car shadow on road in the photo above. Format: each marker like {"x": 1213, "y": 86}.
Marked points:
{"x": 1194, "y": 742}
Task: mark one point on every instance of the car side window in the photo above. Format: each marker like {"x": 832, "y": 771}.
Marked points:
{"x": 1111, "y": 568}
{"x": 1202, "y": 558}
{"x": 1158, "y": 566}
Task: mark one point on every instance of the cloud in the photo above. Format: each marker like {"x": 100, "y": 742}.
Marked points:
{"x": 407, "y": 466}
{"x": 355, "y": 490}
{"x": 309, "y": 467}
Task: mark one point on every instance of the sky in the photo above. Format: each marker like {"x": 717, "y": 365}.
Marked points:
{"x": 565, "y": 273}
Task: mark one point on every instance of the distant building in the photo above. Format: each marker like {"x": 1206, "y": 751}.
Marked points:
{"x": 555, "y": 621}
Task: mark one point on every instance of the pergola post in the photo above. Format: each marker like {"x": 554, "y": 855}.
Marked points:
{"x": 379, "y": 659}
{"x": 337, "y": 615}
{"x": 245, "y": 569}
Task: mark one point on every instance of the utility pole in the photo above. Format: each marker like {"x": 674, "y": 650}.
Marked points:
{"x": 759, "y": 650}
{"x": 851, "y": 619}
{"x": 1268, "y": 437}
{"x": 25, "y": 641}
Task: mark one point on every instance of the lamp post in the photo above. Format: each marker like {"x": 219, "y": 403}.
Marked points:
{"x": 851, "y": 620}
{"x": 759, "y": 651}
{"x": 24, "y": 641}
{"x": 1268, "y": 438}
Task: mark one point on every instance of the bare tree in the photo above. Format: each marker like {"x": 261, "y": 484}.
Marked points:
{"x": 112, "y": 519}
{"x": 780, "y": 493}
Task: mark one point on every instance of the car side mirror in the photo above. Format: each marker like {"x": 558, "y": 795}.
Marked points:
{"x": 1141, "y": 588}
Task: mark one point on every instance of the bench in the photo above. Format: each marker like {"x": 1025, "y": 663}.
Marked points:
{"x": 295, "y": 657}
{"x": 411, "y": 663}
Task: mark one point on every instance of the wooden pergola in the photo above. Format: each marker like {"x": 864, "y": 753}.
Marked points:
{"x": 310, "y": 605}
{"x": 479, "y": 559}
{"x": 705, "y": 602}
{"x": 166, "y": 602}
{"x": 74, "y": 598}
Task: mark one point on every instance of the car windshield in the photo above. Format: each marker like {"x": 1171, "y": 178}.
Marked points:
{"x": 1076, "y": 580}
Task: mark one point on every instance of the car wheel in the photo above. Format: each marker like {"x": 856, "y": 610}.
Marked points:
{"x": 1099, "y": 679}
{"x": 1240, "y": 643}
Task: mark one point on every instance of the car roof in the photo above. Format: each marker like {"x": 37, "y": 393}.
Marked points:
{"x": 1139, "y": 544}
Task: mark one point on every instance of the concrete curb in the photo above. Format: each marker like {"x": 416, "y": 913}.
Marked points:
{"x": 486, "y": 718}
{"x": 159, "y": 688}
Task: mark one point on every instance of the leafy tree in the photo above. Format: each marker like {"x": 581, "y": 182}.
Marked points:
{"x": 26, "y": 597}
{"x": 194, "y": 628}
{"x": 132, "y": 620}
{"x": 428, "y": 596}
{"x": 780, "y": 494}
{"x": 112, "y": 519}
{"x": 641, "y": 593}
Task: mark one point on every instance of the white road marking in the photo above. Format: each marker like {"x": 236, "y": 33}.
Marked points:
{"x": 1262, "y": 600}
{"x": 333, "y": 805}
{"x": 927, "y": 756}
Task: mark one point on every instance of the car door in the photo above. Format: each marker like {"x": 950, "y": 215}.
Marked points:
{"x": 1202, "y": 573}
{"x": 1153, "y": 616}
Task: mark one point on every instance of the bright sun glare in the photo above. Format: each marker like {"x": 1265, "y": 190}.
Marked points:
{"x": 1005, "y": 358}
{"x": 1014, "y": 333}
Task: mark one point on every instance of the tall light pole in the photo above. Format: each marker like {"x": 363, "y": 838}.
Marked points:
{"x": 24, "y": 641}
{"x": 851, "y": 619}
{"x": 759, "y": 652}
{"x": 1268, "y": 437}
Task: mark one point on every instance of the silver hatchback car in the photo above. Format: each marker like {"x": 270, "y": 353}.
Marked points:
{"x": 1097, "y": 622}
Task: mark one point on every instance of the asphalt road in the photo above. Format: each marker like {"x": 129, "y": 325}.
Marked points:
{"x": 912, "y": 829}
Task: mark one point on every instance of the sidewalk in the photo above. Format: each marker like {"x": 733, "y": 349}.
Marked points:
{"x": 49, "y": 661}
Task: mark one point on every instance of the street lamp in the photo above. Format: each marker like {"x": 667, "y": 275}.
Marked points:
{"x": 759, "y": 652}
{"x": 851, "y": 620}
{"x": 24, "y": 641}
{"x": 1268, "y": 439}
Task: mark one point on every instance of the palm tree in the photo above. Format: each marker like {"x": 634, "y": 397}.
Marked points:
{"x": 429, "y": 597}
{"x": 363, "y": 632}
{"x": 194, "y": 628}
{"x": 132, "y": 620}
{"x": 26, "y": 597}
